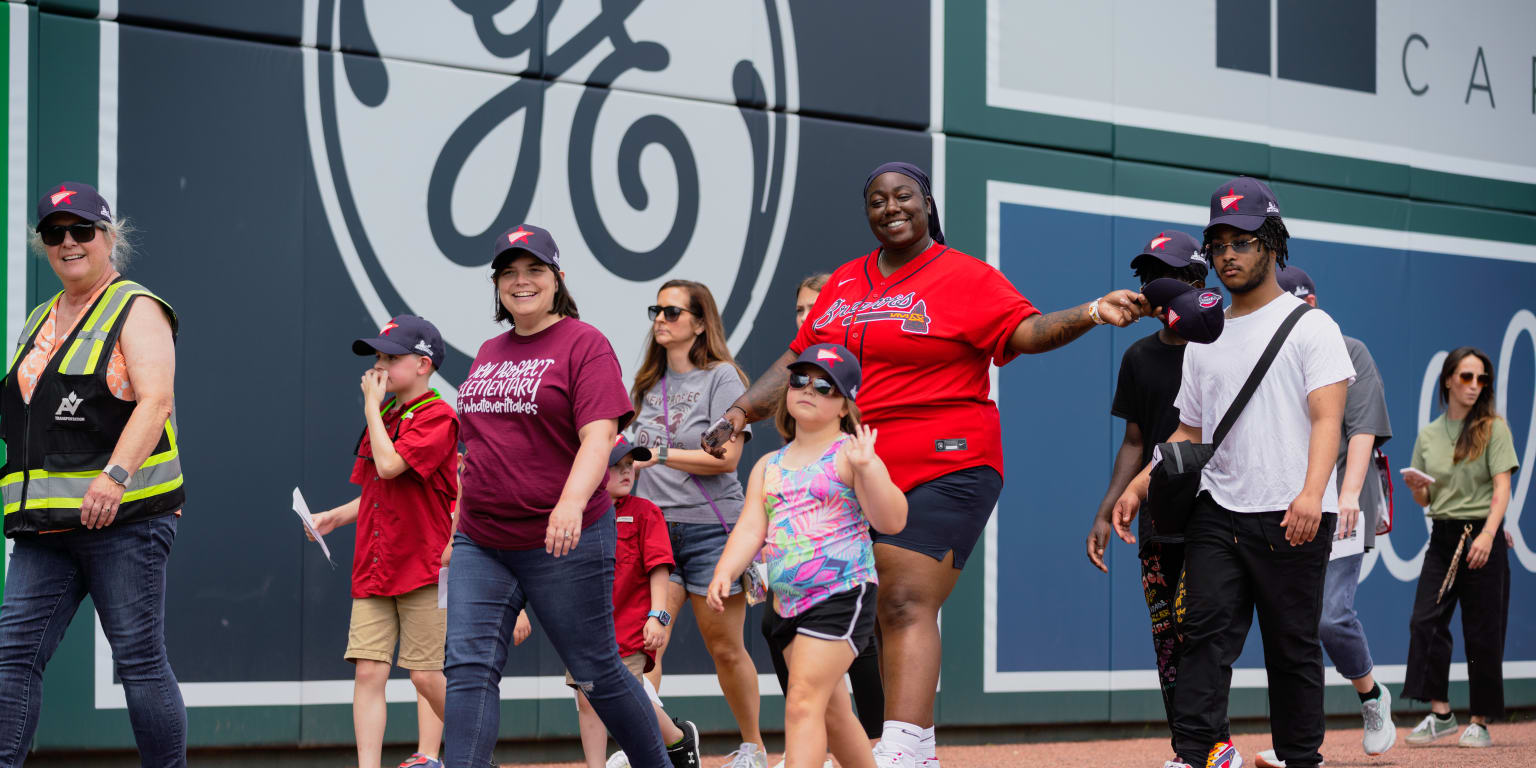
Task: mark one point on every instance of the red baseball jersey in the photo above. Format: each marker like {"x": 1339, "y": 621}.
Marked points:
{"x": 926, "y": 336}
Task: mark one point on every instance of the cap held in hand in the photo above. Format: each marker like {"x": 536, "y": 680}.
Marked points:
{"x": 1192, "y": 313}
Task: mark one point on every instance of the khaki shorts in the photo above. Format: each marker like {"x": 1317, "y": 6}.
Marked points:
{"x": 413, "y": 618}
{"x": 635, "y": 663}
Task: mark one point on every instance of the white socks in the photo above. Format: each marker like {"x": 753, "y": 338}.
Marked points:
{"x": 915, "y": 740}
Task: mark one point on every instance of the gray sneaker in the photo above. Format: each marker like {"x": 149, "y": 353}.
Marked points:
{"x": 1475, "y": 736}
{"x": 1430, "y": 729}
{"x": 747, "y": 756}
{"x": 1380, "y": 732}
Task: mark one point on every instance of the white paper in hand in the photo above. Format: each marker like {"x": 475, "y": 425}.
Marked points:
{"x": 302, "y": 510}
{"x": 1354, "y": 544}
{"x": 442, "y": 589}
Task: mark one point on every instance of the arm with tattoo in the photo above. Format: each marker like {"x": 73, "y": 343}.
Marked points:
{"x": 1043, "y": 333}
{"x": 756, "y": 404}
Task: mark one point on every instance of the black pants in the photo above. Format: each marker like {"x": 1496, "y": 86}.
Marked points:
{"x": 864, "y": 674}
{"x": 1236, "y": 564}
{"x": 1483, "y": 594}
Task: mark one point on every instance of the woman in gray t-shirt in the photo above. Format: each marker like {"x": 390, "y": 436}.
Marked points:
{"x": 689, "y": 367}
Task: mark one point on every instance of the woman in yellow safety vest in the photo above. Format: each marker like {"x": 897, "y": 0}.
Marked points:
{"x": 92, "y": 482}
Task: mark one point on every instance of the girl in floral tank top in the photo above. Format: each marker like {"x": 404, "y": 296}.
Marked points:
{"x": 808, "y": 510}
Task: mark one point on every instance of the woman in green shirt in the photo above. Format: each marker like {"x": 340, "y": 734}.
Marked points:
{"x": 1470, "y": 454}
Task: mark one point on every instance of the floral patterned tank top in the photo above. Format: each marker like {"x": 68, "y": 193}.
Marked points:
{"x": 818, "y": 542}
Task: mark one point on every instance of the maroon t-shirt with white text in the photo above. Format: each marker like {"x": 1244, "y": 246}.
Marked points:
{"x": 519, "y": 411}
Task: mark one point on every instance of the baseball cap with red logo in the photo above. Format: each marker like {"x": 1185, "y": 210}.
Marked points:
{"x": 73, "y": 197}
{"x": 1174, "y": 248}
{"x": 1244, "y": 203}
{"x": 838, "y": 363}
{"x": 623, "y": 447}
{"x": 405, "y": 335}
{"x": 524, "y": 237}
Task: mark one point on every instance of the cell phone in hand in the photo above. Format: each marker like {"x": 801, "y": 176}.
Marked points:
{"x": 1411, "y": 472}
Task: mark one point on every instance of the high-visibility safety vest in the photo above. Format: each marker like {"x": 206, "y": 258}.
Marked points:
{"x": 63, "y": 439}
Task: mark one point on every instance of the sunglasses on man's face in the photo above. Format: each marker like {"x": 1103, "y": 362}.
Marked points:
{"x": 817, "y": 384}
{"x": 53, "y": 234}
{"x": 671, "y": 313}
{"x": 1467, "y": 377}
{"x": 1240, "y": 246}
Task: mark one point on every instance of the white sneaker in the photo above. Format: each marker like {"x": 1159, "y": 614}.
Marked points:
{"x": 1380, "y": 732}
{"x": 1176, "y": 764}
{"x": 747, "y": 756}
{"x": 617, "y": 760}
{"x": 928, "y": 762}
{"x": 887, "y": 756}
{"x": 827, "y": 764}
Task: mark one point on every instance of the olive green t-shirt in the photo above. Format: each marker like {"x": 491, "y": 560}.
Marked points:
{"x": 1462, "y": 491}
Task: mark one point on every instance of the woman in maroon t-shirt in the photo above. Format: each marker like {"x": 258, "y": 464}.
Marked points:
{"x": 927, "y": 323}
{"x": 539, "y": 413}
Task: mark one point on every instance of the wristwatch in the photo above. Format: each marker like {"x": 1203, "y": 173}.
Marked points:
{"x": 661, "y": 454}
{"x": 661, "y": 616}
{"x": 117, "y": 474}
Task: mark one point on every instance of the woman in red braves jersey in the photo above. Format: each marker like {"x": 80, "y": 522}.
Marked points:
{"x": 927, "y": 323}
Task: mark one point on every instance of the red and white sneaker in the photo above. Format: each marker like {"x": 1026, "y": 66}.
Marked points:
{"x": 1224, "y": 755}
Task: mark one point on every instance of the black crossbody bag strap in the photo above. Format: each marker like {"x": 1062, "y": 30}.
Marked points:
{"x": 1259, "y": 369}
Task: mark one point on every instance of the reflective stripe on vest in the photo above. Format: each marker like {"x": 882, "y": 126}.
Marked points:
{"x": 39, "y": 313}
{"x": 160, "y": 473}
{"x": 86, "y": 350}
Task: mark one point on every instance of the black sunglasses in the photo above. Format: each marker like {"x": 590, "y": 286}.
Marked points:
{"x": 53, "y": 234}
{"x": 1466, "y": 377}
{"x": 672, "y": 313}
{"x": 1244, "y": 246}
{"x": 817, "y": 384}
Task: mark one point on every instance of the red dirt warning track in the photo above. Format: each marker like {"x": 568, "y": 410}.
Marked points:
{"x": 1514, "y": 744}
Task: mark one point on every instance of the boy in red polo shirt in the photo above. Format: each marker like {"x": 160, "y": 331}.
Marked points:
{"x": 407, "y": 467}
{"x": 643, "y": 555}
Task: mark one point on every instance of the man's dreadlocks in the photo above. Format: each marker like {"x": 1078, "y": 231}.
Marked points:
{"x": 1272, "y": 233}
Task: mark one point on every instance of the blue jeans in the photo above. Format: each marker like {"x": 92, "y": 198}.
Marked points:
{"x": 696, "y": 548}
{"x": 122, "y": 568}
{"x": 573, "y": 596}
{"x": 1343, "y": 637}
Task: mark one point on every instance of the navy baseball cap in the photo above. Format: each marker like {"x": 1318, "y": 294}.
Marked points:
{"x": 73, "y": 197}
{"x": 623, "y": 447}
{"x": 405, "y": 335}
{"x": 1174, "y": 248}
{"x": 838, "y": 363}
{"x": 1244, "y": 203}
{"x": 1296, "y": 282}
{"x": 1162, "y": 291}
{"x": 525, "y": 237}
{"x": 1196, "y": 315}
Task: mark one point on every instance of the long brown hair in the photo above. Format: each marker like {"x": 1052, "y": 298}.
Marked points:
{"x": 709, "y": 348}
{"x": 785, "y": 423}
{"x": 1477, "y": 428}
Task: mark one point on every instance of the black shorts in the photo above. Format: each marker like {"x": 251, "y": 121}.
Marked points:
{"x": 846, "y": 616}
{"x": 948, "y": 514}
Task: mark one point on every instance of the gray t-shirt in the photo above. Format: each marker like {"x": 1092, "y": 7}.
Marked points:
{"x": 698, "y": 398}
{"x": 1365, "y": 412}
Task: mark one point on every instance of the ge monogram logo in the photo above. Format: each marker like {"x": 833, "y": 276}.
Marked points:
{"x": 474, "y": 118}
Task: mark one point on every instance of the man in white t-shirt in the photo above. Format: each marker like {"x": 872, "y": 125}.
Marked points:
{"x": 1257, "y": 539}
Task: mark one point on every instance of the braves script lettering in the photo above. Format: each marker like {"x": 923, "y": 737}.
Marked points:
{"x": 505, "y": 387}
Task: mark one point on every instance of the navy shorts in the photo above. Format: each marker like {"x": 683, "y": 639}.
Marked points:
{"x": 947, "y": 514}
{"x": 696, "y": 548}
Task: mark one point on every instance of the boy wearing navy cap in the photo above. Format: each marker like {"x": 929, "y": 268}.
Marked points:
{"x": 1257, "y": 539}
{"x": 407, "y": 465}
{"x": 1148, "y": 381}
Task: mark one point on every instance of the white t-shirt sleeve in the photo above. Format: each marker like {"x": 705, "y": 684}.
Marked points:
{"x": 1188, "y": 399}
{"x": 1324, "y": 358}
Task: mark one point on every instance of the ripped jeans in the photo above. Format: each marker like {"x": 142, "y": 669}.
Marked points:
{"x": 573, "y": 597}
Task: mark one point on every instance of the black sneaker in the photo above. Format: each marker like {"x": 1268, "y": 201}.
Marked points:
{"x": 686, "y": 753}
